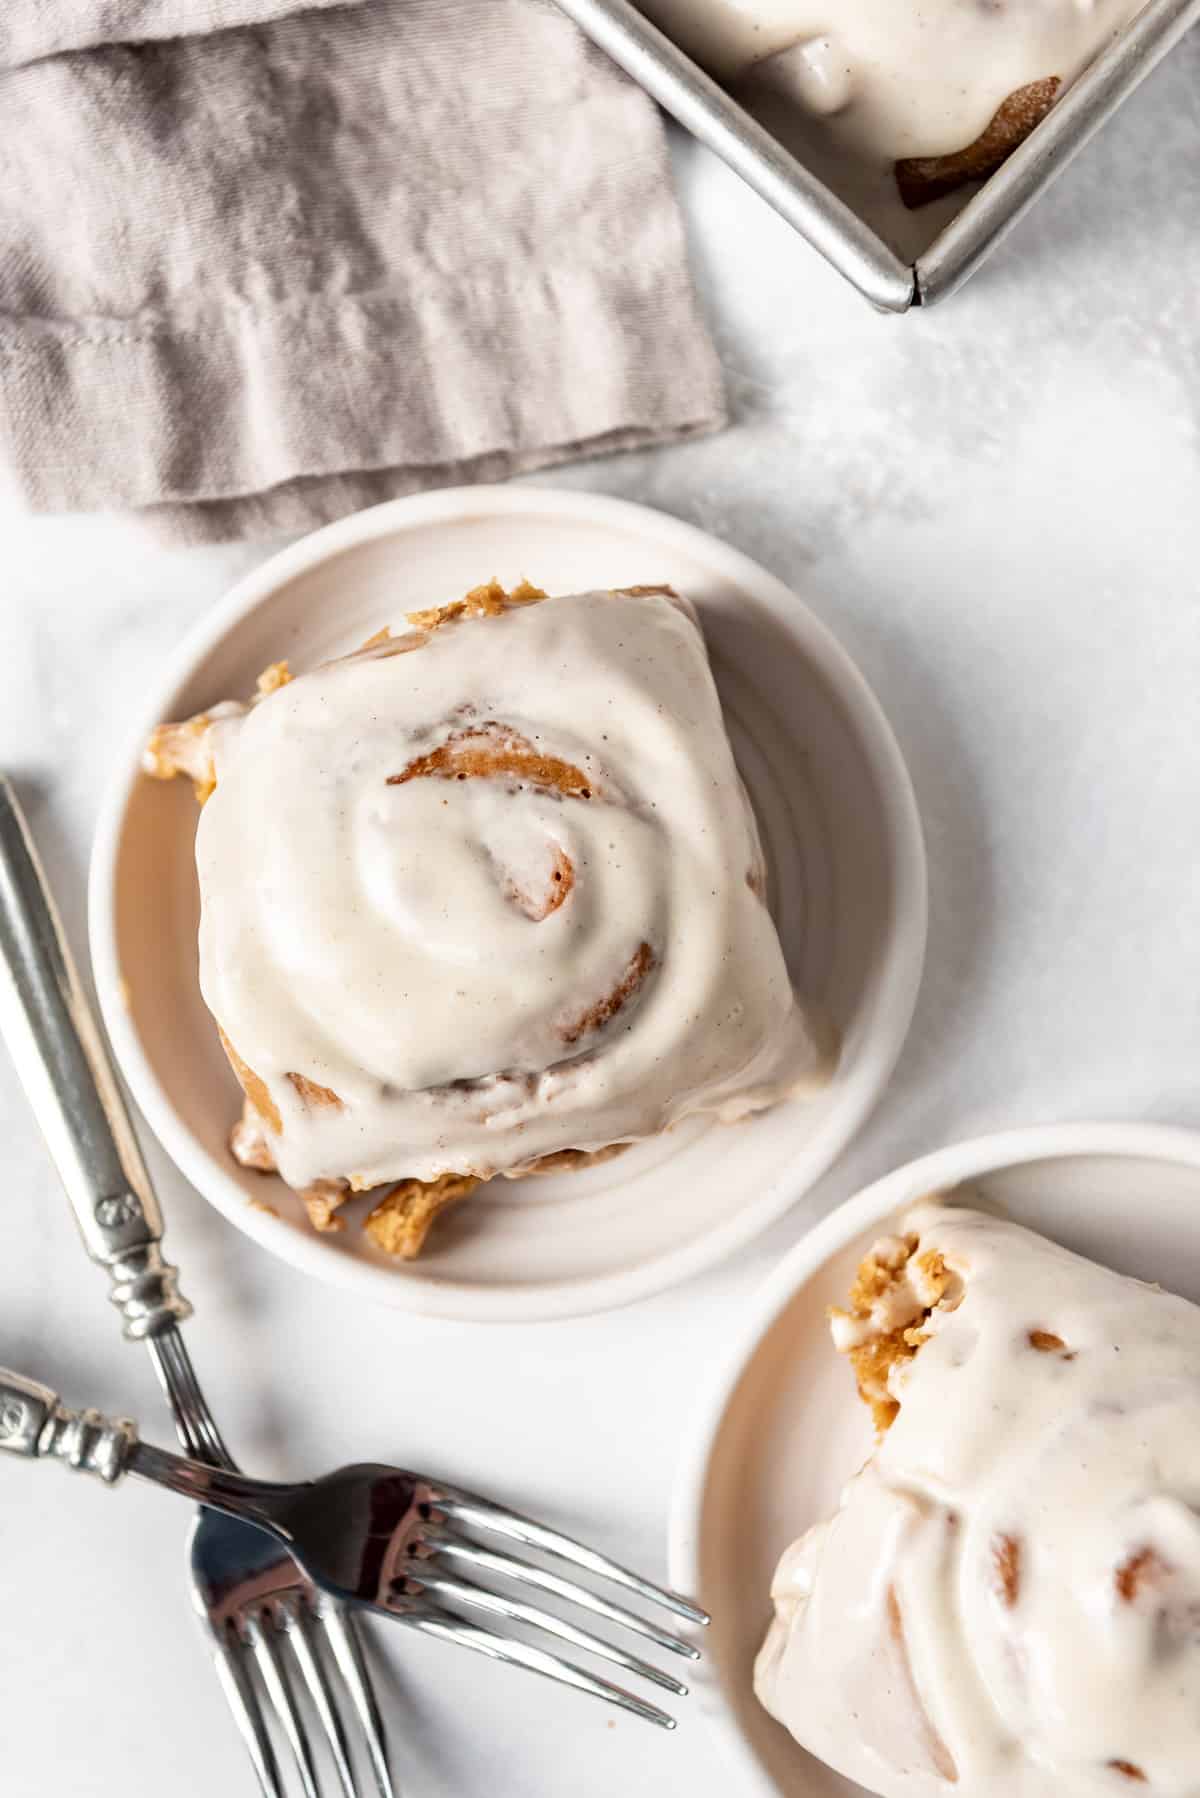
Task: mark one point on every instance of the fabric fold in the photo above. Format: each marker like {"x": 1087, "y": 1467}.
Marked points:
{"x": 31, "y": 29}
{"x": 250, "y": 280}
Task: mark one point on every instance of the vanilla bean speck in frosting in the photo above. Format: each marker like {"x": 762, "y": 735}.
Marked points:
{"x": 491, "y": 889}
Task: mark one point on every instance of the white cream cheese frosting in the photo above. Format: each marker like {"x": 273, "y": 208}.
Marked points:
{"x": 380, "y": 926}
{"x": 1007, "y": 1601}
{"x": 896, "y": 78}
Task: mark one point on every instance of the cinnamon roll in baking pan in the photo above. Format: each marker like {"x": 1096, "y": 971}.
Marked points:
{"x": 897, "y": 103}
{"x": 1007, "y": 1602}
{"x": 484, "y": 897}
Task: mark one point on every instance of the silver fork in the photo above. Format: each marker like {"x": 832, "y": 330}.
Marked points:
{"x": 262, "y": 1611}
{"x": 245, "y": 1583}
{"x": 383, "y": 1537}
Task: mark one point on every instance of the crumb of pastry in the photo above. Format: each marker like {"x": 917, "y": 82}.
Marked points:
{"x": 873, "y": 1364}
{"x": 248, "y": 1141}
{"x": 322, "y": 1200}
{"x": 893, "y": 1275}
{"x": 272, "y": 678}
{"x": 262, "y": 1205}
{"x": 182, "y": 749}
{"x": 401, "y": 1220}
{"x": 922, "y": 179}
{"x": 486, "y": 601}
{"x": 186, "y": 747}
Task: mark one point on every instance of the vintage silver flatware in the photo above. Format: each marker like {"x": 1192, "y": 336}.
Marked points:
{"x": 254, "y": 1594}
{"x": 383, "y": 1537}
{"x": 262, "y": 1611}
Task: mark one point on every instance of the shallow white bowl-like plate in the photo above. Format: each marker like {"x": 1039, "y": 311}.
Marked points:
{"x": 780, "y": 1431}
{"x": 847, "y": 887}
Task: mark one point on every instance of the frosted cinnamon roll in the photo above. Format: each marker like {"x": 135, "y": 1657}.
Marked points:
{"x": 485, "y": 893}
{"x": 1008, "y": 1599}
{"x": 934, "y": 93}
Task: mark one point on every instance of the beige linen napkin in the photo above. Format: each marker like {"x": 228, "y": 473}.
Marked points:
{"x": 251, "y": 278}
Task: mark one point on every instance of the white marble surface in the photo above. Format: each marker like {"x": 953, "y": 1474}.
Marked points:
{"x": 997, "y": 507}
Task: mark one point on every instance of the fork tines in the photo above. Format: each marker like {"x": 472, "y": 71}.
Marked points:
{"x": 443, "y": 1594}
{"x": 280, "y": 1641}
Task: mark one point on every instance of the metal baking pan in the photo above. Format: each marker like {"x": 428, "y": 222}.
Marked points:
{"x": 712, "y": 116}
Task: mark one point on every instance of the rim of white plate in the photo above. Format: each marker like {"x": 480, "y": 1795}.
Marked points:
{"x": 939, "y": 1171}
{"x": 897, "y": 986}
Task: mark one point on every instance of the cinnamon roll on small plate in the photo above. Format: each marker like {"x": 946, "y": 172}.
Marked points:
{"x": 986, "y": 1577}
{"x": 541, "y": 946}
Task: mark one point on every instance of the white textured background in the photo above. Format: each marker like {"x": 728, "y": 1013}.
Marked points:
{"x": 997, "y": 507}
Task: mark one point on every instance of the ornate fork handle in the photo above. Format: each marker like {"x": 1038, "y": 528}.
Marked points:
{"x": 66, "y": 1073}
{"x": 34, "y": 1423}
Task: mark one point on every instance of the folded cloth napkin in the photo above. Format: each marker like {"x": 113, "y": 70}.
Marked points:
{"x": 263, "y": 263}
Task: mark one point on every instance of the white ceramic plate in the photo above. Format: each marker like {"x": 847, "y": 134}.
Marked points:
{"x": 848, "y": 887}
{"x": 780, "y": 1431}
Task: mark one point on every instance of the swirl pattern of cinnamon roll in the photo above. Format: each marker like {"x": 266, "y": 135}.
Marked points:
{"x": 1008, "y": 1600}
{"x": 486, "y": 891}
